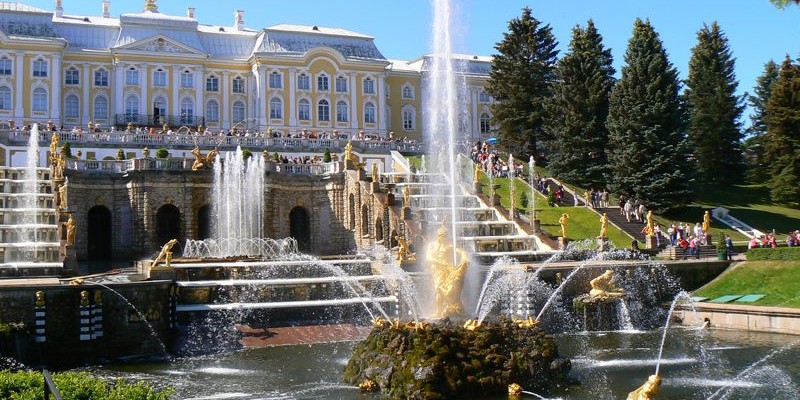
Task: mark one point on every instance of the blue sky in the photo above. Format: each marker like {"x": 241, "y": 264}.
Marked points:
{"x": 756, "y": 29}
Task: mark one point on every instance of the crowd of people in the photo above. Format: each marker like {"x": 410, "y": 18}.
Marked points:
{"x": 491, "y": 163}
{"x": 770, "y": 240}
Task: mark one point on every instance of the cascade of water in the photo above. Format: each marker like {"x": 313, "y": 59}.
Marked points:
{"x": 238, "y": 197}
{"x": 30, "y": 190}
{"x": 680, "y": 296}
{"x": 624, "y": 316}
{"x": 141, "y": 316}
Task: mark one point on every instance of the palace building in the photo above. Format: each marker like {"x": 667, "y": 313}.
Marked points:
{"x": 151, "y": 69}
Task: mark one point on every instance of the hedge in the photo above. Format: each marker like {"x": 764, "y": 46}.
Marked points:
{"x": 776, "y": 254}
{"x": 29, "y": 385}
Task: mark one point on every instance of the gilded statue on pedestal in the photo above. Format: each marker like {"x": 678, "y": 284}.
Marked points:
{"x": 603, "y": 287}
{"x": 604, "y": 226}
{"x": 563, "y": 221}
{"x": 374, "y": 172}
{"x": 706, "y": 222}
{"x": 70, "y": 231}
{"x": 54, "y": 149}
{"x": 406, "y": 197}
{"x": 448, "y": 267}
{"x": 650, "y": 224}
{"x": 165, "y": 254}
{"x": 62, "y": 194}
{"x": 404, "y": 252}
{"x": 648, "y": 391}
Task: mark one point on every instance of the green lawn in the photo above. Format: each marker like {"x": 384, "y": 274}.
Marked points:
{"x": 776, "y": 279}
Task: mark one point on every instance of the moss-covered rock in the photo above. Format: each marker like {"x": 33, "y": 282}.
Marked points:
{"x": 444, "y": 360}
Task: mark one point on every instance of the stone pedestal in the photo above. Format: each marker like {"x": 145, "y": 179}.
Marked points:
{"x": 650, "y": 242}
{"x": 374, "y": 187}
{"x": 389, "y": 199}
{"x": 405, "y": 213}
{"x": 562, "y": 242}
{"x": 602, "y": 244}
{"x": 70, "y": 260}
{"x": 598, "y": 314}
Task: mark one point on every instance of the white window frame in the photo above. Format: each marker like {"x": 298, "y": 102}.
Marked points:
{"x": 324, "y": 110}
{"x": 6, "y": 66}
{"x": 483, "y": 97}
{"x": 275, "y": 80}
{"x": 212, "y": 111}
{"x": 238, "y": 85}
{"x": 187, "y": 79}
{"x": 160, "y": 77}
{"x": 72, "y": 107}
{"x": 342, "y": 111}
{"x": 369, "y": 113}
{"x": 341, "y": 84}
{"x": 101, "y": 77}
{"x": 409, "y": 118}
{"x": 275, "y": 108}
{"x": 132, "y": 77}
{"x": 6, "y": 98}
{"x": 72, "y": 76}
{"x": 187, "y": 110}
{"x": 408, "y": 91}
{"x": 212, "y": 84}
{"x": 39, "y": 100}
{"x": 238, "y": 108}
{"x": 132, "y": 107}
{"x": 369, "y": 85}
{"x": 103, "y": 114}
{"x": 485, "y": 123}
{"x": 303, "y": 81}
{"x": 323, "y": 83}
{"x": 39, "y": 68}
{"x": 304, "y": 110}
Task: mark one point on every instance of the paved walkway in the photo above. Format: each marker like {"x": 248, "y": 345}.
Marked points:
{"x": 22, "y": 282}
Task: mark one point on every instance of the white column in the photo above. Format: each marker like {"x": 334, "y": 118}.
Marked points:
{"x": 55, "y": 90}
{"x": 176, "y": 89}
{"x": 381, "y": 103}
{"x": 144, "y": 102}
{"x": 119, "y": 81}
{"x": 199, "y": 93}
{"x": 87, "y": 88}
{"x": 224, "y": 113}
{"x": 354, "y": 107}
{"x": 292, "y": 98}
{"x": 19, "y": 73}
{"x": 262, "y": 97}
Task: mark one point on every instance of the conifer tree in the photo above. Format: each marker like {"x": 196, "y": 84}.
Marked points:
{"x": 647, "y": 145}
{"x": 782, "y": 140}
{"x": 519, "y": 81}
{"x": 714, "y": 109}
{"x": 577, "y": 111}
{"x": 753, "y": 146}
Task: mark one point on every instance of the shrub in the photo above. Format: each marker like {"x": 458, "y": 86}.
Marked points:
{"x": 28, "y": 385}
{"x": 246, "y": 153}
{"x": 327, "y": 156}
{"x": 777, "y": 254}
{"x": 66, "y": 150}
{"x": 162, "y": 153}
{"x": 276, "y": 157}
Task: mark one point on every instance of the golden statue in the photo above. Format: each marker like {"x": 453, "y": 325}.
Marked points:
{"x": 404, "y": 252}
{"x": 406, "y": 197}
{"x": 603, "y": 226}
{"x": 603, "y": 287}
{"x": 70, "y": 230}
{"x": 54, "y": 149}
{"x": 58, "y": 166}
{"x": 98, "y": 297}
{"x": 62, "y": 194}
{"x": 84, "y": 298}
{"x": 650, "y": 224}
{"x": 477, "y": 177}
{"x": 165, "y": 254}
{"x": 648, "y": 391}
{"x": 471, "y": 325}
{"x": 706, "y": 222}
{"x": 526, "y": 323}
{"x": 39, "y": 296}
{"x": 348, "y": 151}
{"x": 564, "y": 220}
{"x": 514, "y": 390}
{"x": 374, "y": 172}
{"x": 448, "y": 267}
{"x": 201, "y": 161}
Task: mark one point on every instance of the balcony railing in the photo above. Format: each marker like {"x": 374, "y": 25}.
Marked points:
{"x": 185, "y": 164}
{"x": 158, "y": 120}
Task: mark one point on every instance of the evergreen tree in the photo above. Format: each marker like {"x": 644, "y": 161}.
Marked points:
{"x": 577, "y": 111}
{"x": 647, "y": 144}
{"x": 714, "y": 109}
{"x": 782, "y": 140}
{"x": 522, "y": 71}
{"x": 753, "y": 146}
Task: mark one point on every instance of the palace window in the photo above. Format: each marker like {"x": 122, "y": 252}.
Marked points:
{"x": 212, "y": 84}
{"x": 39, "y": 99}
{"x": 238, "y": 85}
{"x": 5, "y": 66}
{"x": 71, "y": 106}
{"x": 131, "y": 108}
{"x": 101, "y": 77}
{"x": 369, "y": 113}
{"x": 304, "y": 110}
{"x": 484, "y": 97}
{"x": 323, "y": 110}
{"x": 341, "y": 84}
{"x": 40, "y": 68}
{"x": 212, "y": 111}
{"x": 409, "y": 118}
{"x": 187, "y": 111}
{"x": 408, "y": 91}
{"x": 100, "y": 108}
{"x": 159, "y": 77}
{"x": 303, "y": 82}
{"x": 238, "y": 112}
{"x": 369, "y": 86}
{"x": 187, "y": 79}
{"x": 322, "y": 83}
{"x": 5, "y": 98}
{"x": 275, "y": 108}
{"x": 486, "y": 123}
{"x": 275, "y": 80}
{"x": 132, "y": 77}
{"x": 341, "y": 112}
{"x": 72, "y": 76}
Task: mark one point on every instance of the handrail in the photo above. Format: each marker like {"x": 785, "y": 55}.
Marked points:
{"x": 50, "y": 386}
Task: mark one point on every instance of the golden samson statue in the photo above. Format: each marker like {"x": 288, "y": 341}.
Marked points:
{"x": 648, "y": 391}
{"x": 448, "y": 266}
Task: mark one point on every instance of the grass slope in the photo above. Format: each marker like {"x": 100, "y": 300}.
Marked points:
{"x": 776, "y": 279}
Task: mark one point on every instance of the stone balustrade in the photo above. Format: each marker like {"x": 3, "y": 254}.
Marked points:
{"x": 185, "y": 164}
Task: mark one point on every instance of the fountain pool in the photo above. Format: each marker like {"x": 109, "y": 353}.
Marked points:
{"x": 609, "y": 364}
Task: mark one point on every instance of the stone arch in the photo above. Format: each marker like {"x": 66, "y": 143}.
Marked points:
{"x": 300, "y": 228}
{"x": 98, "y": 234}
{"x": 364, "y": 220}
{"x": 204, "y": 222}
{"x": 352, "y": 219}
{"x": 168, "y": 225}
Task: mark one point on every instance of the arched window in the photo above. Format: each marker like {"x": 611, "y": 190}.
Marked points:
{"x": 238, "y": 112}
{"x": 304, "y": 110}
{"x": 485, "y": 123}
{"x": 369, "y": 113}
{"x": 40, "y": 99}
{"x": 5, "y": 98}
{"x": 323, "y": 110}
{"x": 187, "y": 111}
{"x": 159, "y": 110}
{"x": 275, "y": 108}
{"x": 212, "y": 111}
{"x": 100, "y": 108}
{"x": 341, "y": 111}
{"x": 131, "y": 109}
{"x": 409, "y": 118}
{"x": 71, "y": 107}
{"x": 101, "y": 77}
{"x": 72, "y": 76}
